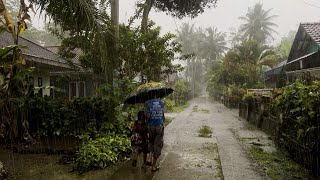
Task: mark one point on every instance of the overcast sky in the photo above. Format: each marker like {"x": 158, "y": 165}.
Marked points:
{"x": 225, "y": 15}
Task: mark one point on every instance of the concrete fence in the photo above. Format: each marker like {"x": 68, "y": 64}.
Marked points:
{"x": 258, "y": 113}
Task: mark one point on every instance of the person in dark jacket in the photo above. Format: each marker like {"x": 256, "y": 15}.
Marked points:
{"x": 139, "y": 140}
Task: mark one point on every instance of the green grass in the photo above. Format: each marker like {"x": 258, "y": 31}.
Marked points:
{"x": 167, "y": 121}
{"x": 195, "y": 109}
{"x": 278, "y": 165}
{"x": 205, "y": 131}
{"x": 206, "y": 111}
{"x": 213, "y": 148}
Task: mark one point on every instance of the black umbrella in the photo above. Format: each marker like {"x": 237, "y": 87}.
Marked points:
{"x": 147, "y": 91}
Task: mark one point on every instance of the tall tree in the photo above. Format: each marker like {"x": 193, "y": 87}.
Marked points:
{"x": 176, "y": 8}
{"x": 214, "y": 44}
{"x": 185, "y": 37}
{"x": 258, "y": 24}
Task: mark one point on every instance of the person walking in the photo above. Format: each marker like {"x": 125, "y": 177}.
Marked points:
{"x": 154, "y": 110}
{"x": 139, "y": 139}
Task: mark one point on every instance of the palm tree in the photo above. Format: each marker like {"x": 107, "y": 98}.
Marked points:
{"x": 258, "y": 24}
{"x": 185, "y": 37}
{"x": 214, "y": 44}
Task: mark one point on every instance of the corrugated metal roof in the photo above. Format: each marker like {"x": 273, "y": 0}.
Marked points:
{"x": 276, "y": 70}
{"x": 313, "y": 29}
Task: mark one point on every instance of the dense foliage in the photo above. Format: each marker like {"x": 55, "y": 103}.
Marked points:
{"x": 241, "y": 68}
{"x": 102, "y": 152}
{"x": 104, "y": 141}
{"x": 205, "y": 47}
{"x": 300, "y": 126}
{"x": 132, "y": 53}
{"x": 182, "y": 9}
{"x": 49, "y": 117}
{"x": 181, "y": 92}
{"x": 243, "y": 65}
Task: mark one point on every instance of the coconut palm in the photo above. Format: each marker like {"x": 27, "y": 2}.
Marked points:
{"x": 186, "y": 37}
{"x": 258, "y": 24}
{"x": 71, "y": 15}
{"x": 214, "y": 44}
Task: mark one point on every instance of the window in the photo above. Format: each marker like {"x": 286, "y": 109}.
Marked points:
{"x": 81, "y": 89}
{"x": 51, "y": 89}
{"x": 77, "y": 89}
{"x": 72, "y": 90}
{"x": 40, "y": 91}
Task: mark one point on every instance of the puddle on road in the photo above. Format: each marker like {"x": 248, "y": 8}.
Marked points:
{"x": 127, "y": 172}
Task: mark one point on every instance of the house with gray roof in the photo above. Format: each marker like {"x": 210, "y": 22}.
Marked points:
{"x": 304, "y": 57}
{"x": 54, "y": 76}
{"x": 273, "y": 78}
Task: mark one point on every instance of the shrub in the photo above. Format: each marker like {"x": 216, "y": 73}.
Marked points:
{"x": 205, "y": 131}
{"x": 299, "y": 105}
{"x": 180, "y": 94}
{"x": 169, "y": 104}
{"x": 48, "y": 117}
{"x": 102, "y": 152}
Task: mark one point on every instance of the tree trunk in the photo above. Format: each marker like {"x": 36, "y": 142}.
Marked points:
{"x": 144, "y": 28}
{"x": 145, "y": 17}
{"x": 114, "y": 59}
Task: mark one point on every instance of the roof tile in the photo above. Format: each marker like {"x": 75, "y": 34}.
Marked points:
{"x": 32, "y": 49}
{"x": 313, "y": 29}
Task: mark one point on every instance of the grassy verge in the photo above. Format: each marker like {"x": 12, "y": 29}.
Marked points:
{"x": 196, "y": 109}
{"x": 167, "y": 121}
{"x": 277, "y": 165}
{"x": 205, "y": 131}
{"x": 213, "y": 148}
{"x": 206, "y": 111}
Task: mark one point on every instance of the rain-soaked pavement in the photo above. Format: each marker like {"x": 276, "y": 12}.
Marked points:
{"x": 187, "y": 156}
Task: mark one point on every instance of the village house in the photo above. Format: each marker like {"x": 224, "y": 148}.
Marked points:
{"x": 54, "y": 76}
{"x": 304, "y": 59}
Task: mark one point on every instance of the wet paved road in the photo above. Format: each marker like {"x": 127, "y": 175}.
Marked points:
{"x": 187, "y": 156}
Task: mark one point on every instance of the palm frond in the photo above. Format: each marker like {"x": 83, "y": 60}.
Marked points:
{"x": 70, "y": 14}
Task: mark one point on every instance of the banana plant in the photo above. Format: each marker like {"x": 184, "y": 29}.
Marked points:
{"x": 16, "y": 87}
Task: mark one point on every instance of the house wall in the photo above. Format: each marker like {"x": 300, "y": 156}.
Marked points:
{"x": 45, "y": 81}
{"x": 312, "y": 47}
{"x": 45, "y": 78}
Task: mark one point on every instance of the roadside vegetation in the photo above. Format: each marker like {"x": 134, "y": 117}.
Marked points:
{"x": 212, "y": 150}
{"x": 278, "y": 165}
{"x": 205, "y": 131}
{"x": 242, "y": 66}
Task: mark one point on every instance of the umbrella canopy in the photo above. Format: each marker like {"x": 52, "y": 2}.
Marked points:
{"x": 147, "y": 91}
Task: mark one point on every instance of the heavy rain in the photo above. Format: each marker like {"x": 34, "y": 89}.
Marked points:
{"x": 159, "y": 90}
